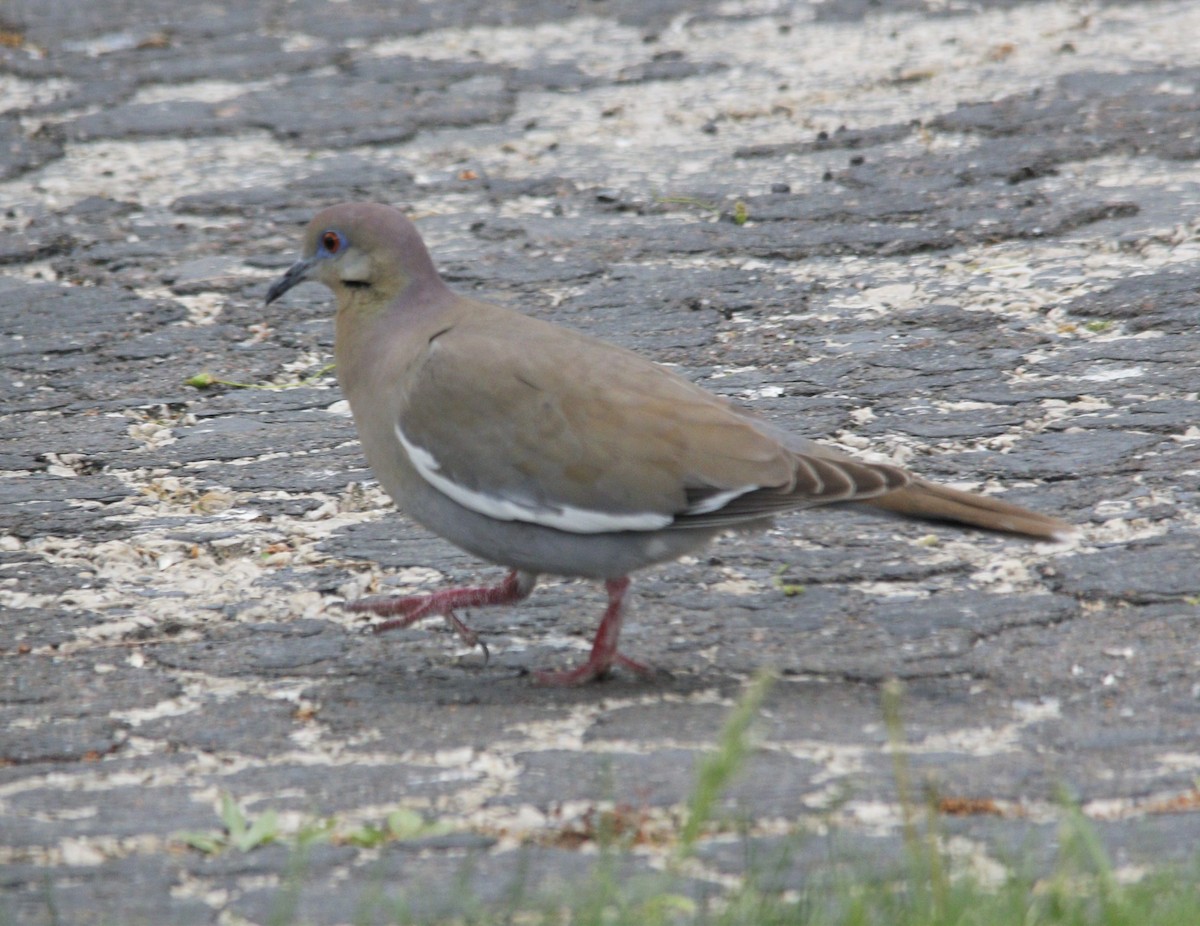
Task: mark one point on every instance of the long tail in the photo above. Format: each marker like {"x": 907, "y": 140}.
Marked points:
{"x": 921, "y": 499}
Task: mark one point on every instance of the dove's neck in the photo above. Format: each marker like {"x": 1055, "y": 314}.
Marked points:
{"x": 378, "y": 335}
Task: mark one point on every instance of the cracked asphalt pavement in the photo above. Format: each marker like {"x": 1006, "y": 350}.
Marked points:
{"x": 962, "y": 237}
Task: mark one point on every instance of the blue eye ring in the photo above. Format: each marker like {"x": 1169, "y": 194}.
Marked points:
{"x": 331, "y": 242}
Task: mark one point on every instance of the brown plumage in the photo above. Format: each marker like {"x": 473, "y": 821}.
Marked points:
{"x": 548, "y": 451}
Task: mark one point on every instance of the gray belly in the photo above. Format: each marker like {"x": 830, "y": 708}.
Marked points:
{"x": 531, "y": 547}
{"x": 537, "y": 549}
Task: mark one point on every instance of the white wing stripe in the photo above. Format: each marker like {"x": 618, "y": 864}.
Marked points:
{"x": 563, "y": 518}
{"x": 718, "y": 500}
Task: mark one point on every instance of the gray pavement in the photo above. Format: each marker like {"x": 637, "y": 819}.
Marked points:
{"x": 970, "y": 246}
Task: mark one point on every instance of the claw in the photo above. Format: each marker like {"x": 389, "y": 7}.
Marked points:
{"x": 467, "y": 635}
{"x": 405, "y": 610}
{"x": 589, "y": 672}
{"x": 604, "y": 653}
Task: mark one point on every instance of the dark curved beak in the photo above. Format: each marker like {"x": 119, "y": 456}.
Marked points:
{"x": 296, "y": 274}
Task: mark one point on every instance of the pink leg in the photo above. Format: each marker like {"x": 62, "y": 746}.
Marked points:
{"x": 412, "y": 608}
{"x": 604, "y": 653}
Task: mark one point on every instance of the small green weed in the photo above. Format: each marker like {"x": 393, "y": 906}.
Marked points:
{"x": 204, "y": 380}
{"x": 789, "y": 589}
{"x": 239, "y": 833}
{"x": 243, "y": 834}
{"x": 717, "y": 769}
{"x": 399, "y": 825}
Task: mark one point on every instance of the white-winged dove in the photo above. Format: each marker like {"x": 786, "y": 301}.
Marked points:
{"x": 547, "y": 451}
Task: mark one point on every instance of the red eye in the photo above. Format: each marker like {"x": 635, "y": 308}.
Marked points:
{"x": 331, "y": 242}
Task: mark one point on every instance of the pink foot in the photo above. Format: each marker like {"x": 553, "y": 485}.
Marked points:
{"x": 604, "y": 653}
{"x": 412, "y": 608}
{"x": 588, "y": 672}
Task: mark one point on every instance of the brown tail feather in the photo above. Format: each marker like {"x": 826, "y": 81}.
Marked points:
{"x": 921, "y": 499}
